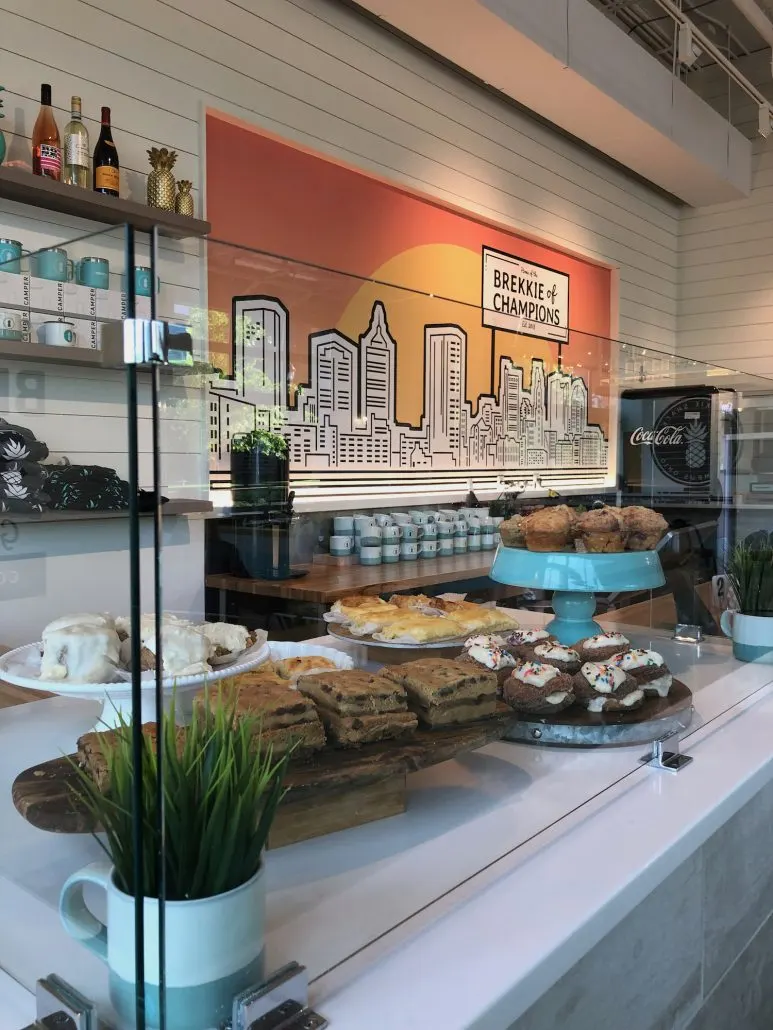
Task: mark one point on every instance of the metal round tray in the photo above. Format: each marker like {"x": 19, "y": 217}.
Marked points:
{"x": 576, "y": 727}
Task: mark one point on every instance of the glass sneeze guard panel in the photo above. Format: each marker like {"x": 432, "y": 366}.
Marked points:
{"x": 319, "y": 395}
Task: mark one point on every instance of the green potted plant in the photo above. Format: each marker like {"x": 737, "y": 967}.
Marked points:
{"x": 750, "y": 571}
{"x": 259, "y": 469}
{"x": 221, "y": 789}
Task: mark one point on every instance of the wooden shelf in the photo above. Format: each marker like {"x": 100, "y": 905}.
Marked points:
{"x": 171, "y": 508}
{"x": 25, "y": 188}
{"x": 11, "y": 350}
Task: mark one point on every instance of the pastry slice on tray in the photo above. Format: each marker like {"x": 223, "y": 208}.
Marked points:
{"x": 347, "y": 607}
{"x": 415, "y": 628}
{"x": 358, "y": 707}
{"x": 444, "y": 692}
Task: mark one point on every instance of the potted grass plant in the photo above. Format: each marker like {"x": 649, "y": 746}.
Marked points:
{"x": 750, "y": 571}
{"x": 221, "y": 789}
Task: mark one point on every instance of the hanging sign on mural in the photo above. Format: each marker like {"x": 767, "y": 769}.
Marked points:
{"x": 522, "y": 297}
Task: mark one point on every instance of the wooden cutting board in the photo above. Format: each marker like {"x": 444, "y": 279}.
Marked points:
{"x": 336, "y": 790}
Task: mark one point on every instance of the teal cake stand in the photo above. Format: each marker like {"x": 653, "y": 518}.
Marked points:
{"x": 574, "y": 579}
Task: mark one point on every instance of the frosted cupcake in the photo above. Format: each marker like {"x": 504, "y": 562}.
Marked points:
{"x": 647, "y": 668}
{"x": 523, "y": 642}
{"x": 487, "y": 652}
{"x": 603, "y": 687}
{"x": 565, "y": 659}
{"x": 602, "y": 647}
{"x": 538, "y": 689}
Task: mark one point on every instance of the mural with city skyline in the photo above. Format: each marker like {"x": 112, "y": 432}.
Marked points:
{"x": 344, "y": 418}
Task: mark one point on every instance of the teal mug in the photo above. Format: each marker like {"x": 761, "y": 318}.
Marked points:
{"x": 143, "y": 278}
{"x": 51, "y": 264}
{"x": 93, "y": 272}
{"x": 10, "y": 256}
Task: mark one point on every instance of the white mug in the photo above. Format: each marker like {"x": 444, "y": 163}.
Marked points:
{"x": 430, "y": 531}
{"x": 231, "y": 924}
{"x": 460, "y": 543}
{"x": 400, "y": 517}
{"x": 474, "y": 542}
{"x": 428, "y": 548}
{"x": 412, "y": 532}
{"x": 473, "y": 527}
{"x": 390, "y": 553}
{"x": 383, "y": 520}
{"x": 340, "y": 546}
{"x": 370, "y": 555}
{"x": 371, "y": 536}
{"x": 10, "y": 324}
{"x": 409, "y": 550}
{"x": 445, "y": 530}
{"x": 419, "y": 518}
{"x": 57, "y": 334}
{"x": 391, "y": 534}
{"x": 445, "y": 546}
{"x": 752, "y": 636}
{"x": 343, "y": 524}
{"x": 487, "y": 541}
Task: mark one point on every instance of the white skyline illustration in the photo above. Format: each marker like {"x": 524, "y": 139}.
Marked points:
{"x": 344, "y": 418}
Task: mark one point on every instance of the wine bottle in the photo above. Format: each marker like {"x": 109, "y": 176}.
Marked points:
{"x": 75, "y": 166}
{"x": 107, "y": 175}
{"x": 46, "y": 149}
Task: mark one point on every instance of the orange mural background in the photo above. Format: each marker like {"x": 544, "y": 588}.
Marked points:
{"x": 292, "y": 206}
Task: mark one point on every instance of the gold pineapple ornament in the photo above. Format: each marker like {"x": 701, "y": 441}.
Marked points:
{"x": 183, "y": 204}
{"x": 161, "y": 184}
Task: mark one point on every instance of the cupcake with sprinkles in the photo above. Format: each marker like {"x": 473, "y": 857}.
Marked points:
{"x": 565, "y": 659}
{"x": 647, "y": 668}
{"x": 602, "y": 647}
{"x": 538, "y": 689}
{"x": 488, "y": 652}
{"x": 523, "y": 642}
{"x": 603, "y": 687}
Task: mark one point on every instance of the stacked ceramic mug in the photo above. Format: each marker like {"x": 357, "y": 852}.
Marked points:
{"x": 410, "y": 536}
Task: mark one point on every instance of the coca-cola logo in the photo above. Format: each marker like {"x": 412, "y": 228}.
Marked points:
{"x": 663, "y": 436}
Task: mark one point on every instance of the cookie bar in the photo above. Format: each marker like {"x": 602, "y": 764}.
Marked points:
{"x": 353, "y": 692}
{"x": 433, "y": 681}
{"x": 355, "y": 730}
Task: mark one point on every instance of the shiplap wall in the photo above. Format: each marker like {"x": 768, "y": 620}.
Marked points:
{"x": 726, "y": 251}
{"x": 316, "y": 72}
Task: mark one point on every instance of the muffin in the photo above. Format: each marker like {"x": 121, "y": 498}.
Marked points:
{"x": 601, "y": 647}
{"x": 484, "y": 653}
{"x": 565, "y": 659}
{"x": 523, "y": 641}
{"x": 550, "y": 529}
{"x": 601, "y": 531}
{"x": 511, "y": 531}
{"x": 603, "y": 687}
{"x": 647, "y": 668}
{"x": 644, "y": 527}
{"x": 538, "y": 689}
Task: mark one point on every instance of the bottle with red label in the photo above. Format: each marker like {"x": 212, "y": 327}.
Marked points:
{"x": 107, "y": 173}
{"x": 46, "y": 145}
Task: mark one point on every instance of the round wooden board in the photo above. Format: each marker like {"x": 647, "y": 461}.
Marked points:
{"x": 44, "y": 794}
{"x": 577, "y": 727}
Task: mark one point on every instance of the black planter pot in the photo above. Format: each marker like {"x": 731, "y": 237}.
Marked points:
{"x": 258, "y": 480}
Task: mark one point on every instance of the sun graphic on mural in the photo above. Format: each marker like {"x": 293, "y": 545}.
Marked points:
{"x": 436, "y": 284}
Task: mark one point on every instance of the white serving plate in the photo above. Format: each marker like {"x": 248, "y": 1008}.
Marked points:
{"x": 290, "y": 649}
{"x": 22, "y": 668}
{"x": 342, "y": 633}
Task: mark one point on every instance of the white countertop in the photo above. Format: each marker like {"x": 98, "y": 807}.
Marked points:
{"x": 398, "y": 901}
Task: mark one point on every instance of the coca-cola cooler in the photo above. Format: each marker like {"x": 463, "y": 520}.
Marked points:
{"x": 673, "y": 457}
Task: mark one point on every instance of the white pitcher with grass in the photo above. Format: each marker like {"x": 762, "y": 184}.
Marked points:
{"x": 221, "y": 795}
{"x": 750, "y": 571}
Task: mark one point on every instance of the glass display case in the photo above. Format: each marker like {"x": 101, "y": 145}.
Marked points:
{"x": 280, "y": 418}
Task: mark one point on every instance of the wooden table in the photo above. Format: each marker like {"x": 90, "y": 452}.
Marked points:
{"x": 327, "y": 583}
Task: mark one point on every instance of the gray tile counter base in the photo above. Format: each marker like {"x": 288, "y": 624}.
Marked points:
{"x": 696, "y": 954}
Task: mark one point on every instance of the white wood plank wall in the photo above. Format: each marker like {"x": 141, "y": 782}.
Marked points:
{"x": 316, "y": 72}
{"x": 726, "y": 251}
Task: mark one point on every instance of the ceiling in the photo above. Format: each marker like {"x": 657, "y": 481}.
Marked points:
{"x": 648, "y": 24}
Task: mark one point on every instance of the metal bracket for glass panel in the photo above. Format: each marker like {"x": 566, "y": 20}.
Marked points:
{"x": 688, "y": 634}
{"x": 281, "y": 1003}
{"x": 58, "y": 1006}
{"x": 669, "y": 761}
{"x": 143, "y": 341}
